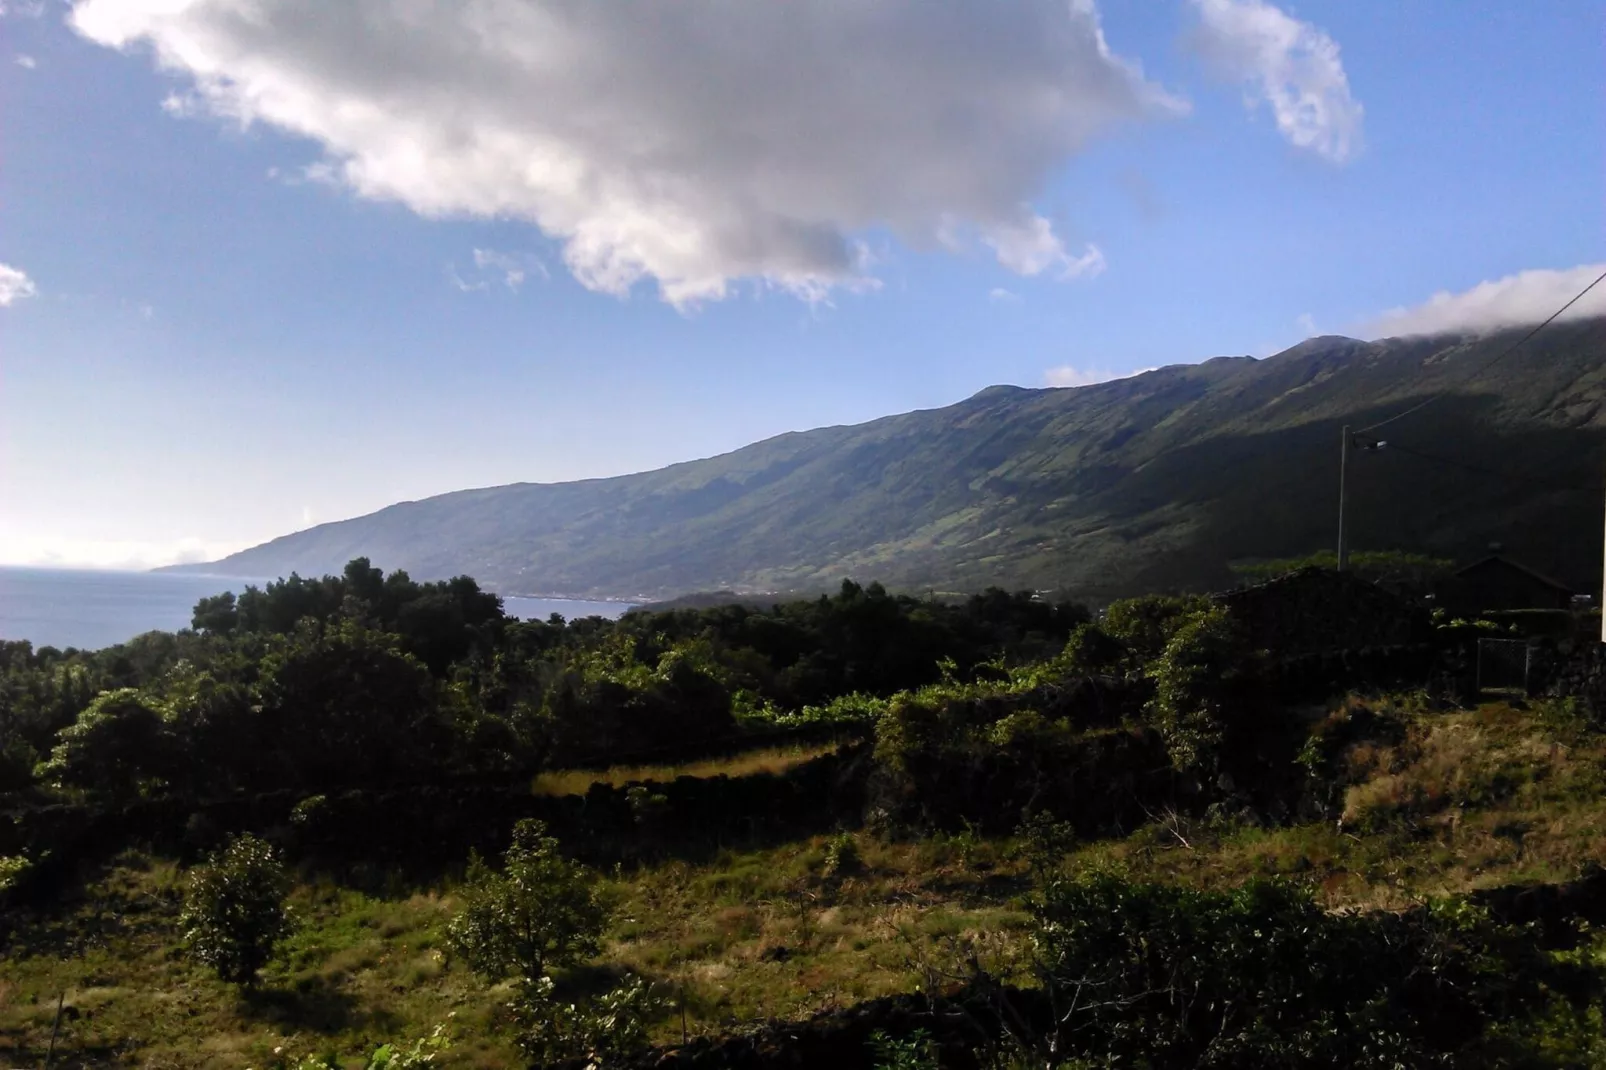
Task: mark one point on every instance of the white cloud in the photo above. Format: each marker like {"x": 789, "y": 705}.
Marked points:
{"x": 693, "y": 143}
{"x": 26, "y": 9}
{"x": 1291, "y": 65}
{"x": 1000, "y": 296}
{"x": 513, "y": 267}
{"x": 1526, "y": 297}
{"x": 1307, "y": 324}
{"x": 492, "y": 268}
{"x": 1030, "y": 247}
{"x": 26, "y": 62}
{"x": 1066, "y": 375}
{"x": 15, "y": 285}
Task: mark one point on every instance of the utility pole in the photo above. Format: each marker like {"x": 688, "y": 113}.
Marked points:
{"x": 1343, "y": 486}
{"x": 1371, "y": 445}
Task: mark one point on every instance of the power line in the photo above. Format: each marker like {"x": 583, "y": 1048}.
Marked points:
{"x": 1394, "y": 447}
{"x": 1501, "y": 356}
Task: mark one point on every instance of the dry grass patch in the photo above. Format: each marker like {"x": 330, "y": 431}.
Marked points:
{"x": 772, "y": 934}
{"x": 774, "y": 760}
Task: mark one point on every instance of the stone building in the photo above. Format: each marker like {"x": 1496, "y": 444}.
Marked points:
{"x": 1497, "y": 582}
{"x": 1317, "y": 610}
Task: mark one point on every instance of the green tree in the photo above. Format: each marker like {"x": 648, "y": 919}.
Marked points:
{"x": 117, "y": 742}
{"x": 234, "y": 910}
{"x": 1190, "y": 677}
{"x": 539, "y": 913}
{"x": 217, "y": 615}
{"x": 344, "y": 704}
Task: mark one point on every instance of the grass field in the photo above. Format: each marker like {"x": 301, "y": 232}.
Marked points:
{"x": 1460, "y": 800}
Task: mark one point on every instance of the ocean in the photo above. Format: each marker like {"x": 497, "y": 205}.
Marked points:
{"x": 90, "y": 610}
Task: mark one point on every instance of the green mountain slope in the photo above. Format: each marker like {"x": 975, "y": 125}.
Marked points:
{"x": 1152, "y": 482}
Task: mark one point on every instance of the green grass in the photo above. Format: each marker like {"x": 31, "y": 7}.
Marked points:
{"x": 1463, "y": 800}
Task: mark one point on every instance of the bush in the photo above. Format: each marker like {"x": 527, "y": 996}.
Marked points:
{"x": 12, "y": 869}
{"x": 234, "y": 912}
{"x": 1091, "y": 651}
{"x": 842, "y": 855}
{"x": 1262, "y": 976}
{"x": 541, "y": 912}
{"x": 917, "y": 1051}
{"x": 393, "y": 1056}
{"x": 1143, "y": 626}
{"x": 1190, "y": 679}
{"x": 1045, "y": 842}
{"x": 602, "y": 1030}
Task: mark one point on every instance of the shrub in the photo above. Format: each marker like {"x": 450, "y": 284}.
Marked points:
{"x": 1044, "y": 842}
{"x": 916, "y": 1051}
{"x": 842, "y": 855}
{"x": 602, "y": 1030}
{"x": 12, "y": 868}
{"x": 1091, "y": 651}
{"x": 1143, "y": 626}
{"x": 1189, "y": 683}
{"x": 392, "y": 1056}
{"x": 1262, "y": 976}
{"x": 234, "y": 912}
{"x": 541, "y": 912}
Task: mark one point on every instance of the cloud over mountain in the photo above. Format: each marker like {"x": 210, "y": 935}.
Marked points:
{"x": 692, "y": 144}
{"x": 1526, "y": 297}
{"x": 1069, "y": 375}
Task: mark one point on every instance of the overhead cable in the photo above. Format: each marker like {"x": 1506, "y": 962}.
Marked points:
{"x": 1419, "y": 406}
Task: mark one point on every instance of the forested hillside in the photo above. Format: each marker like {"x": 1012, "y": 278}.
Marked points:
{"x": 361, "y": 820}
{"x": 1158, "y": 481}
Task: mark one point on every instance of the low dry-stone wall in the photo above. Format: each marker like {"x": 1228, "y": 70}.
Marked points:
{"x": 430, "y": 828}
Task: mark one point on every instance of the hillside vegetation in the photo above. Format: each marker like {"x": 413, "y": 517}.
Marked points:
{"x": 1160, "y": 481}
{"x": 349, "y": 819}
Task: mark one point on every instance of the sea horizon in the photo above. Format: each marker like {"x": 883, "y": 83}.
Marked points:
{"x": 93, "y": 608}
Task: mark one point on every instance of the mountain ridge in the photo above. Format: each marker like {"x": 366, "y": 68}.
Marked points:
{"x": 1155, "y": 481}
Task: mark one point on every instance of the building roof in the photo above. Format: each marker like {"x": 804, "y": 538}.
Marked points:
{"x": 1501, "y": 559}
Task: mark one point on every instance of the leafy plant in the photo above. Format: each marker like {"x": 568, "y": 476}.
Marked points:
{"x": 1262, "y": 976}
{"x": 601, "y": 1030}
{"x": 234, "y": 911}
{"x": 539, "y": 913}
{"x": 917, "y": 1051}
{"x": 391, "y": 1056}
{"x": 1188, "y": 676}
{"x": 1044, "y": 842}
{"x": 12, "y": 867}
{"x": 842, "y": 855}
{"x": 648, "y": 809}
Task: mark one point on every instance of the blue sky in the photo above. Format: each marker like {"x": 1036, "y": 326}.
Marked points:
{"x": 262, "y": 273}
